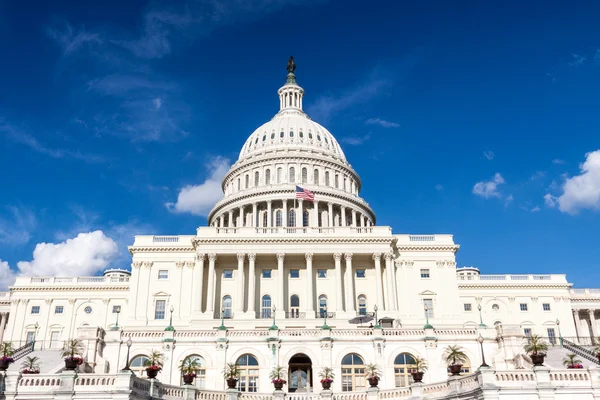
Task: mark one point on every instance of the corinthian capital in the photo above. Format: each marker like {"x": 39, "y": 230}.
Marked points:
{"x": 136, "y": 264}
{"x": 348, "y": 256}
{"x": 389, "y": 256}
{"x": 280, "y": 256}
{"x": 241, "y": 256}
{"x": 251, "y": 256}
{"x": 200, "y": 256}
{"x": 212, "y": 257}
{"x": 308, "y": 256}
{"x": 179, "y": 264}
{"x": 147, "y": 264}
{"x": 337, "y": 256}
{"x": 376, "y": 256}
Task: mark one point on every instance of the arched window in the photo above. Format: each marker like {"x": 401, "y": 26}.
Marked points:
{"x": 200, "y": 380}
{"x": 247, "y": 183}
{"x": 353, "y": 373}
{"x": 256, "y": 178}
{"x": 291, "y": 218}
{"x": 309, "y": 134}
{"x": 239, "y": 187}
{"x": 301, "y": 134}
{"x": 272, "y": 135}
{"x": 304, "y": 175}
{"x": 265, "y": 306}
{"x": 292, "y": 177}
{"x": 322, "y": 305}
{"x": 403, "y": 366}
{"x": 294, "y": 306}
{"x": 278, "y": 218}
{"x": 326, "y": 178}
{"x": 316, "y": 177}
{"x": 264, "y": 138}
{"x": 337, "y": 181}
{"x": 227, "y": 312}
{"x": 265, "y": 219}
{"x": 362, "y": 304}
{"x": 248, "y": 381}
{"x": 281, "y": 134}
{"x": 292, "y": 134}
{"x": 279, "y": 174}
{"x": 268, "y": 177}
{"x": 305, "y": 218}
{"x": 138, "y": 365}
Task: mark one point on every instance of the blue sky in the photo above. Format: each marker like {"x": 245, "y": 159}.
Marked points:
{"x": 472, "y": 118}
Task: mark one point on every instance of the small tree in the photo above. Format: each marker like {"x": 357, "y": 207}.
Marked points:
{"x": 155, "y": 361}
{"x": 231, "y": 371}
{"x": 571, "y": 361}
{"x": 31, "y": 365}
{"x": 420, "y": 364}
{"x": 73, "y": 349}
{"x": 373, "y": 370}
{"x": 7, "y": 350}
{"x": 277, "y": 374}
{"x": 189, "y": 366}
{"x": 455, "y": 355}
{"x": 536, "y": 345}
{"x": 326, "y": 374}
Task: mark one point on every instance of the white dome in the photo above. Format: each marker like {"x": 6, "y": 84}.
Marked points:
{"x": 292, "y": 130}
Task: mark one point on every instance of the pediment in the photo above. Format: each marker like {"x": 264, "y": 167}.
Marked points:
{"x": 427, "y": 293}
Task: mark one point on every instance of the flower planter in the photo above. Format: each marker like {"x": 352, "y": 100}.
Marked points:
{"x": 188, "y": 379}
{"x": 152, "y": 372}
{"x": 373, "y": 381}
{"x": 231, "y": 383}
{"x": 455, "y": 369}
{"x": 4, "y": 365}
{"x": 278, "y": 385}
{"x": 26, "y": 371}
{"x": 71, "y": 364}
{"x": 326, "y": 385}
{"x": 418, "y": 376}
{"x": 537, "y": 359}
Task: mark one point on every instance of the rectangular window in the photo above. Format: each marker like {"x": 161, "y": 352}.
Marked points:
{"x": 425, "y": 273}
{"x": 428, "y": 304}
{"x": 523, "y": 306}
{"x": 527, "y": 332}
{"x": 266, "y": 274}
{"x": 163, "y": 274}
{"x": 54, "y": 339}
{"x": 360, "y": 273}
{"x": 35, "y": 309}
{"x": 294, "y": 273}
{"x": 552, "y": 336}
{"x": 59, "y": 309}
{"x": 159, "y": 310}
{"x": 468, "y": 307}
{"x": 30, "y": 337}
{"x": 227, "y": 274}
{"x": 322, "y": 273}
{"x": 116, "y": 309}
{"x": 546, "y": 306}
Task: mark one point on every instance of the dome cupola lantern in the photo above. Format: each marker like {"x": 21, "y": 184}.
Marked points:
{"x": 290, "y": 95}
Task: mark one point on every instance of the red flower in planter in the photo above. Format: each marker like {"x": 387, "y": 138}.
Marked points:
{"x": 78, "y": 360}
{"x": 7, "y": 359}
{"x": 279, "y": 380}
{"x": 154, "y": 368}
{"x": 326, "y": 380}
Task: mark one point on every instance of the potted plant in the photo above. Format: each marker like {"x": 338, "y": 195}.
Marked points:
{"x": 420, "y": 368}
{"x": 154, "y": 364}
{"x": 188, "y": 369}
{"x": 536, "y": 347}
{"x": 276, "y": 376}
{"x": 231, "y": 374}
{"x": 326, "y": 374}
{"x": 373, "y": 374}
{"x": 7, "y": 352}
{"x": 455, "y": 357}
{"x": 72, "y": 352}
{"x": 31, "y": 365}
{"x": 572, "y": 362}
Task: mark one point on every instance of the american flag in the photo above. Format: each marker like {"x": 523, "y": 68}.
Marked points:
{"x": 304, "y": 194}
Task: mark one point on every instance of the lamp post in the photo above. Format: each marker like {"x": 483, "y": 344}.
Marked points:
{"x": 377, "y": 326}
{"x": 427, "y": 325}
{"x": 325, "y": 326}
{"x": 129, "y": 343}
{"x": 481, "y": 324}
{"x": 559, "y": 334}
{"x": 222, "y": 327}
{"x": 274, "y": 326}
{"x": 116, "y": 327}
{"x": 480, "y": 341}
{"x": 37, "y": 327}
{"x": 170, "y": 327}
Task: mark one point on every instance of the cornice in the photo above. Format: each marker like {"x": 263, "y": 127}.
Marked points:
{"x": 159, "y": 249}
{"x": 453, "y": 248}
{"x": 584, "y": 300}
{"x": 295, "y": 239}
{"x": 516, "y": 286}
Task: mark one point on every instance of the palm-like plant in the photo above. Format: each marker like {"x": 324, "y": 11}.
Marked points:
{"x": 455, "y": 355}
{"x": 536, "y": 345}
{"x": 155, "y": 360}
{"x": 189, "y": 366}
{"x": 7, "y": 349}
{"x": 231, "y": 371}
{"x": 373, "y": 370}
{"x": 420, "y": 364}
{"x": 73, "y": 348}
{"x": 31, "y": 364}
{"x": 571, "y": 360}
{"x": 277, "y": 373}
{"x": 326, "y": 374}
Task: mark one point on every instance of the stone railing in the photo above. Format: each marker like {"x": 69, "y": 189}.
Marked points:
{"x": 585, "y": 292}
{"x": 59, "y": 280}
{"x": 285, "y": 230}
{"x": 539, "y": 279}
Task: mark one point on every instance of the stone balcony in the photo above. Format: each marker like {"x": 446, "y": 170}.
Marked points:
{"x": 516, "y": 279}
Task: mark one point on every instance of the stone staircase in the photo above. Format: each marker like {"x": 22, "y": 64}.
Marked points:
{"x": 51, "y": 361}
{"x": 556, "y": 355}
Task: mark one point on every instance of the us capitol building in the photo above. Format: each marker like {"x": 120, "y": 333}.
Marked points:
{"x": 279, "y": 280}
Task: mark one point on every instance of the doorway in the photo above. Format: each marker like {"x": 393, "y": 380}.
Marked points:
{"x": 300, "y": 374}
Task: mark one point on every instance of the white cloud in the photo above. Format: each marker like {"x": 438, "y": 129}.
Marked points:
{"x": 535, "y": 209}
{"x": 439, "y": 187}
{"x": 487, "y": 189}
{"x": 18, "y": 228}
{"x": 489, "y": 154}
{"x": 508, "y": 200}
{"x": 199, "y": 199}
{"x": 550, "y": 200}
{"x": 157, "y": 103}
{"x": 577, "y": 60}
{"x": 71, "y": 41}
{"x": 7, "y": 275}
{"x": 84, "y": 254}
{"x": 356, "y": 140}
{"x": 382, "y": 122}
{"x": 558, "y": 161}
{"x": 581, "y": 191}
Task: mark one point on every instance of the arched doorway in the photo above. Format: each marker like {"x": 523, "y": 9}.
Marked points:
{"x": 300, "y": 374}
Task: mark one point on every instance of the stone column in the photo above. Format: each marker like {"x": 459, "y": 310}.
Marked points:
{"x": 230, "y": 219}
{"x": 210, "y": 290}
{"x": 349, "y": 279}
{"x": 577, "y": 322}
{"x": 269, "y": 214}
{"x": 389, "y": 269}
{"x": 364, "y": 220}
{"x": 315, "y": 213}
{"x": 241, "y": 224}
{"x": 378, "y": 280}
{"x": 354, "y": 218}
{"x": 285, "y": 214}
{"x": 310, "y": 311}
{"x": 254, "y": 216}
{"x": 339, "y": 306}
{"x": 593, "y": 325}
{"x": 198, "y": 283}
{"x": 330, "y": 214}
{"x": 300, "y": 214}
{"x": 3, "y": 319}
{"x": 343, "y": 216}
{"x": 251, "y": 284}
{"x": 239, "y": 304}
{"x": 280, "y": 280}
{"x": 222, "y": 221}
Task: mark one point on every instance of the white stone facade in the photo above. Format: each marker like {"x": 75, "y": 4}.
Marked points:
{"x": 276, "y": 270}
